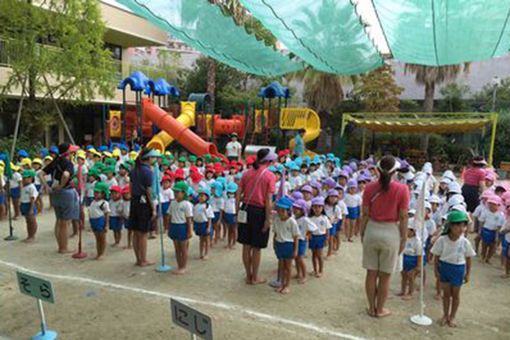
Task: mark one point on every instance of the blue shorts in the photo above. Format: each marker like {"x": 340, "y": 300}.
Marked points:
{"x": 25, "y": 208}
{"x": 98, "y": 224}
{"x": 88, "y": 200}
{"x": 178, "y": 231}
{"x": 49, "y": 183}
{"x": 126, "y": 224}
{"x": 333, "y": 230}
{"x": 38, "y": 187}
{"x": 216, "y": 217}
{"x": 301, "y": 248}
{"x": 200, "y": 228}
{"x": 317, "y": 242}
{"x": 164, "y": 209}
{"x": 410, "y": 262}
{"x": 230, "y": 219}
{"x": 284, "y": 250}
{"x": 451, "y": 273}
{"x": 488, "y": 236}
{"x": 15, "y": 193}
{"x": 116, "y": 223}
{"x": 353, "y": 213}
{"x": 2, "y": 198}
{"x": 505, "y": 249}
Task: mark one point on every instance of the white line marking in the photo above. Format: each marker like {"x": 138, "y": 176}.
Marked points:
{"x": 264, "y": 316}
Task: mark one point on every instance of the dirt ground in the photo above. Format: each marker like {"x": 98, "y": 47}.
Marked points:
{"x": 113, "y": 299}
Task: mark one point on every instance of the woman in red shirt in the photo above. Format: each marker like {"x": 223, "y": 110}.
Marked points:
{"x": 474, "y": 183}
{"x": 383, "y": 233}
{"x": 255, "y": 192}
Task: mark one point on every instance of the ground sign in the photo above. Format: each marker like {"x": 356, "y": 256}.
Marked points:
{"x": 192, "y": 320}
{"x": 35, "y": 287}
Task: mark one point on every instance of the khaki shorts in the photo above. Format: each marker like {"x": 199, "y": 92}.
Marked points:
{"x": 381, "y": 244}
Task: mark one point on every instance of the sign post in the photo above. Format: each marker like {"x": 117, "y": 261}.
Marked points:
{"x": 198, "y": 324}
{"x": 42, "y": 291}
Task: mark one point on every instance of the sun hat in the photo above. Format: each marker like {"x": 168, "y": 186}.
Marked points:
{"x": 457, "y": 216}
{"x": 23, "y": 153}
{"x": 315, "y": 185}
{"x": 494, "y": 200}
{"x": 352, "y": 184}
{"x": 330, "y": 182}
{"x": 434, "y": 199}
{"x": 116, "y": 188}
{"x": 490, "y": 176}
{"x": 26, "y": 162}
{"x": 300, "y": 204}
{"x": 102, "y": 187}
{"x": 180, "y": 186}
{"x": 284, "y": 203}
{"x": 204, "y": 190}
{"x": 126, "y": 190}
{"x": 449, "y": 174}
{"x": 333, "y": 192}
{"x": 116, "y": 153}
{"x": 306, "y": 188}
{"x": 271, "y": 156}
{"x": 296, "y": 195}
{"x": 318, "y": 201}
{"x": 28, "y": 173}
{"x": 454, "y": 187}
{"x": 151, "y": 153}
{"x": 231, "y": 188}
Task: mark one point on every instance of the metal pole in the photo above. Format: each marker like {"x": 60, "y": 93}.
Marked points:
{"x": 60, "y": 115}
{"x": 193, "y": 336}
{"x": 18, "y": 118}
{"x": 123, "y": 112}
{"x": 42, "y": 317}
{"x": 11, "y": 236}
{"x": 494, "y": 117}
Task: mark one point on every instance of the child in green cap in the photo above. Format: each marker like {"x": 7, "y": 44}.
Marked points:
{"x": 28, "y": 197}
{"x": 99, "y": 215}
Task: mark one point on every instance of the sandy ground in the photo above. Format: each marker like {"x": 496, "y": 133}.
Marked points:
{"x": 113, "y": 299}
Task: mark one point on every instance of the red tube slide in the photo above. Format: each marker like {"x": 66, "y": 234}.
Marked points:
{"x": 177, "y": 130}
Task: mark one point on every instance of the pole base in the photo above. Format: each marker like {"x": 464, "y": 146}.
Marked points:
{"x": 80, "y": 255}
{"x": 163, "y": 269}
{"x": 11, "y": 238}
{"x": 48, "y": 335}
{"x": 421, "y": 320}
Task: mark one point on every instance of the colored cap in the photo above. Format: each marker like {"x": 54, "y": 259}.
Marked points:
{"x": 434, "y": 199}
{"x": 26, "y": 162}
{"x": 181, "y": 186}
{"x": 166, "y": 178}
{"x": 204, "y": 190}
{"x": 179, "y": 173}
{"x": 306, "y": 188}
{"x": 192, "y": 158}
{"x": 318, "y": 201}
{"x": 126, "y": 190}
{"x": 23, "y": 153}
{"x": 28, "y": 173}
{"x": 494, "y": 200}
{"x": 231, "y": 188}
{"x": 330, "y": 182}
{"x": 333, "y": 192}
{"x": 454, "y": 187}
{"x": 457, "y": 216}
{"x": 296, "y": 195}
{"x": 116, "y": 153}
{"x": 284, "y": 203}
{"x": 315, "y": 185}
{"x": 116, "y": 188}
{"x": 352, "y": 184}
{"x": 102, "y": 187}
{"x": 151, "y": 153}
{"x": 300, "y": 204}
{"x": 182, "y": 159}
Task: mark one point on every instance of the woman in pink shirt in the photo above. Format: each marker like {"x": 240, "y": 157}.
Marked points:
{"x": 474, "y": 183}
{"x": 255, "y": 193}
{"x": 383, "y": 233}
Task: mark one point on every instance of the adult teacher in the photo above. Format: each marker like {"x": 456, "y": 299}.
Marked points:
{"x": 234, "y": 148}
{"x": 63, "y": 196}
{"x": 474, "y": 183}
{"x": 254, "y": 214}
{"x": 142, "y": 211}
{"x": 383, "y": 233}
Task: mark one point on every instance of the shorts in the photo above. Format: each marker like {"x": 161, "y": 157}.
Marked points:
{"x": 353, "y": 213}
{"x": 25, "y": 208}
{"x": 200, "y": 228}
{"x": 410, "y": 262}
{"x": 164, "y": 209}
{"x": 178, "y": 231}
{"x": 2, "y": 198}
{"x": 284, "y": 250}
{"x": 451, "y": 273}
{"x": 126, "y": 224}
{"x": 505, "y": 248}
{"x": 488, "y": 236}
{"x": 116, "y": 223}
{"x": 317, "y": 242}
{"x": 66, "y": 204}
{"x": 380, "y": 246}
{"x": 301, "y": 248}
{"x": 216, "y": 217}
{"x": 88, "y": 200}
{"x": 98, "y": 224}
{"x": 251, "y": 233}
{"x": 140, "y": 216}
{"x": 15, "y": 193}
{"x": 230, "y": 219}
{"x": 333, "y": 230}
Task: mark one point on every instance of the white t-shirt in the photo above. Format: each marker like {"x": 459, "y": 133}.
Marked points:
{"x": 430, "y": 228}
{"x": 28, "y": 192}
{"x": 202, "y": 212}
{"x": 323, "y": 224}
{"x": 316, "y": 175}
{"x": 413, "y": 247}
{"x": 116, "y": 208}
{"x": 123, "y": 180}
{"x": 343, "y": 208}
{"x": 16, "y": 180}
{"x": 180, "y": 211}
{"x": 166, "y": 195}
{"x": 233, "y": 149}
{"x": 286, "y": 187}
{"x": 492, "y": 221}
{"x": 37, "y": 180}
{"x": 352, "y": 201}
{"x": 89, "y": 188}
{"x": 479, "y": 210}
{"x": 126, "y": 207}
{"x": 218, "y": 203}
{"x": 333, "y": 213}
{"x": 98, "y": 208}
{"x": 295, "y": 182}
{"x": 305, "y": 226}
{"x": 230, "y": 205}
{"x": 112, "y": 182}
{"x": 454, "y": 252}
{"x": 285, "y": 231}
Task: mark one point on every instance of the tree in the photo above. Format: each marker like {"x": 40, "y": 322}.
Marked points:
{"x": 483, "y": 99}
{"x": 56, "y": 53}
{"x": 453, "y": 98}
{"x": 430, "y": 76}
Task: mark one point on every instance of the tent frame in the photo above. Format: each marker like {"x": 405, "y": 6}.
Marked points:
{"x": 413, "y": 121}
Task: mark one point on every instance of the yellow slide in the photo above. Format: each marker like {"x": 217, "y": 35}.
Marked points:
{"x": 295, "y": 118}
{"x": 186, "y": 118}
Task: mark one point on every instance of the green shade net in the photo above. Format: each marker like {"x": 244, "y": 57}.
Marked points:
{"x": 445, "y": 32}
{"x": 326, "y": 34}
{"x": 202, "y": 26}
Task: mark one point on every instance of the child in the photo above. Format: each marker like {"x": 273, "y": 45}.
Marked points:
{"x": 126, "y": 202}
{"x": 334, "y": 214}
{"x": 110, "y": 176}
{"x": 99, "y": 215}
{"x": 89, "y": 185}
{"x": 479, "y": 211}
{"x": 505, "y": 250}
{"x": 166, "y": 195}
{"x": 413, "y": 259}
{"x": 230, "y": 215}
{"x": 181, "y": 222}
{"x": 123, "y": 177}
{"x": 116, "y": 213}
{"x": 492, "y": 220}
{"x": 218, "y": 205}
{"x": 320, "y": 235}
{"x": 295, "y": 180}
{"x": 36, "y": 166}
{"x": 305, "y": 228}
{"x": 452, "y": 263}
{"x": 353, "y": 202}
{"x": 202, "y": 219}
{"x": 15, "y": 185}
{"x": 28, "y": 208}
{"x": 286, "y": 237}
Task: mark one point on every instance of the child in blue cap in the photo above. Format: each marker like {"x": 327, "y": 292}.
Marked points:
{"x": 230, "y": 215}
{"x": 202, "y": 220}
{"x": 286, "y": 236}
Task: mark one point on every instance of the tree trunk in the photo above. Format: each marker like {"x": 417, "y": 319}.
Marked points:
{"x": 428, "y": 106}
{"x": 211, "y": 81}
{"x": 47, "y": 138}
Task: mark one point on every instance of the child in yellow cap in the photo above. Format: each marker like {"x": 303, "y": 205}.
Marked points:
{"x": 29, "y": 195}
{"x": 15, "y": 185}
{"x": 36, "y": 166}
{"x": 3, "y": 200}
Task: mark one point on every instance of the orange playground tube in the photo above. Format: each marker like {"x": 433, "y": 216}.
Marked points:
{"x": 176, "y": 129}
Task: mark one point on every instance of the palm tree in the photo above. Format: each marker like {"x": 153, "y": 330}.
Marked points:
{"x": 430, "y": 76}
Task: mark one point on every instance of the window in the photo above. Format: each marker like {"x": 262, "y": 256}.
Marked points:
{"x": 116, "y": 51}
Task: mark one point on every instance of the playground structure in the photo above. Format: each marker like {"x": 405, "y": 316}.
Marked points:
{"x": 196, "y": 128}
